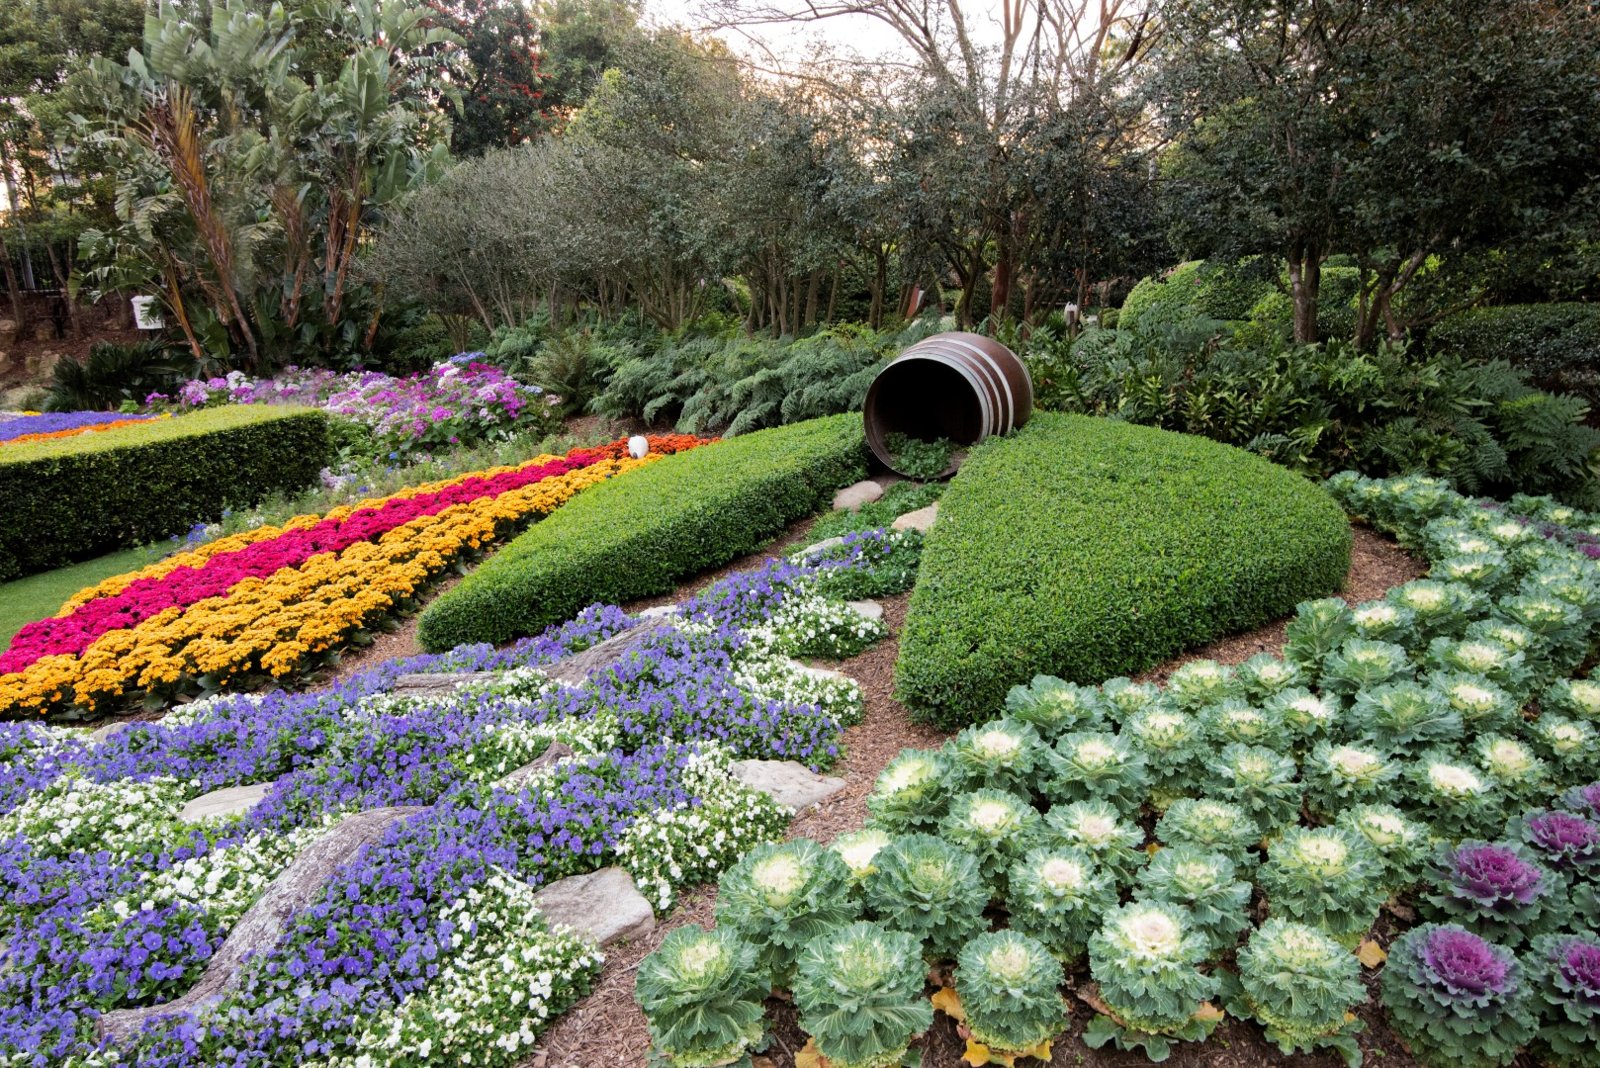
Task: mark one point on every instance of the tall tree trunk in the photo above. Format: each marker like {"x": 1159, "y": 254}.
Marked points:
{"x": 813, "y": 290}
{"x": 12, "y": 289}
{"x": 833, "y": 295}
{"x": 1305, "y": 280}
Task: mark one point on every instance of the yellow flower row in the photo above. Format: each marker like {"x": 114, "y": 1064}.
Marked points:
{"x": 271, "y": 625}
{"x": 199, "y": 555}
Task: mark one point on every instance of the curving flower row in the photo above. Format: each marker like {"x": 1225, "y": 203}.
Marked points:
{"x": 51, "y": 425}
{"x": 279, "y": 612}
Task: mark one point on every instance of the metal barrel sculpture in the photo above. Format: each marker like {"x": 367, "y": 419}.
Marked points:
{"x": 958, "y": 386}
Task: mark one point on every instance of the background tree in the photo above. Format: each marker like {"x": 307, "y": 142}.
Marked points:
{"x": 501, "y": 102}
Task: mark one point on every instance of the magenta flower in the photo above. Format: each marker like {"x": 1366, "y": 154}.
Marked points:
{"x": 1459, "y": 964}
{"x": 1494, "y": 874}
{"x": 1565, "y": 839}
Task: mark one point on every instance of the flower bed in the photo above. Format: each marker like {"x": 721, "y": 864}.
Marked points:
{"x": 1289, "y": 799}
{"x": 425, "y": 949}
{"x": 460, "y": 401}
{"x": 240, "y": 610}
{"x": 49, "y": 426}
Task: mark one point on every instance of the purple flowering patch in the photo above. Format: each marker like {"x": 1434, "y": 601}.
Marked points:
{"x": 1494, "y": 875}
{"x": 1462, "y": 965}
{"x": 1565, "y": 839}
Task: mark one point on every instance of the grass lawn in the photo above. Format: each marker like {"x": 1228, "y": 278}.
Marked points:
{"x": 41, "y": 595}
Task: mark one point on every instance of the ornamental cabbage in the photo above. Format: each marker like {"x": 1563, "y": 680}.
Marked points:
{"x": 1305, "y": 714}
{"x": 1399, "y": 843}
{"x": 1572, "y": 746}
{"x": 1259, "y": 780}
{"x": 931, "y": 890}
{"x": 1492, "y": 889}
{"x": 1381, "y": 621}
{"x": 1488, "y": 572}
{"x": 1089, "y": 766}
{"x": 859, "y": 991}
{"x": 1122, "y": 698}
{"x": 1057, "y": 894}
{"x": 1000, "y": 755}
{"x": 1317, "y": 629}
{"x": 1458, "y": 1000}
{"x": 782, "y": 895}
{"x": 1212, "y": 825}
{"x": 909, "y": 794}
{"x": 1009, "y": 986}
{"x": 1485, "y": 658}
{"x": 1360, "y": 665}
{"x": 1338, "y": 776}
{"x": 1203, "y": 882}
{"x": 1144, "y": 957}
{"x": 702, "y": 995}
{"x": 1264, "y": 675}
{"x": 1170, "y": 742}
{"x": 1437, "y": 607}
{"x": 1054, "y": 706}
{"x": 1302, "y": 987}
{"x": 1568, "y": 843}
{"x": 1584, "y": 800}
{"x": 1564, "y": 971}
{"x": 996, "y": 827}
{"x": 1234, "y": 721}
{"x": 1203, "y": 682}
{"x": 1576, "y": 698}
{"x": 1519, "y": 774}
{"x": 1326, "y": 877}
{"x": 1098, "y": 828}
{"x": 1481, "y": 704}
{"x": 859, "y": 850}
{"x": 1455, "y": 798}
{"x": 1402, "y": 715}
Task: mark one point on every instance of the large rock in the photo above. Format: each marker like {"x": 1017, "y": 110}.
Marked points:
{"x": 852, "y": 497}
{"x": 258, "y": 930}
{"x": 791, "y": 784}
{"x": 822, "y": 546}
{"x": 660, "y": 611}
{"x": 220, "y": 804}
{"x": 516, "y": 780}
{"x": 602, "y": 906}
{"x": 826, "y": 674}
{"x": 579, "y": 666}
{"x": 921, "y": 519}
{"x": 439, "y": 683}
{"x": 866, "y": 609}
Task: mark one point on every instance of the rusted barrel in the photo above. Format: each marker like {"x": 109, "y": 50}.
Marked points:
{"x": 959, "y": 386}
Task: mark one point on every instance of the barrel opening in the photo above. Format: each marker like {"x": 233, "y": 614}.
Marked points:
{"x": 923, "y": 399}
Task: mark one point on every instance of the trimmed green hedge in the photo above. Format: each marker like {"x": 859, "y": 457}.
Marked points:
{"x": 637, "y": 535}
{"x": 72, "y": 498}
{"x": 1088, "y": 548}
{"x": 1558, "y": 344}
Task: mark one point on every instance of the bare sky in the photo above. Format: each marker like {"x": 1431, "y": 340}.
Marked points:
{"x": 865, "y": 35}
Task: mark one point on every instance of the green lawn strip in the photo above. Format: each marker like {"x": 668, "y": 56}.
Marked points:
{"x": 42, "y": 595}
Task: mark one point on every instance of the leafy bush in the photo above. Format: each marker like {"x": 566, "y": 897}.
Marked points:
{"x": 1196, "y": 288}
{"x": 931, "y": 890}
{"x": 1144, "y": 957}
{"x": 1057, "y": 894}
{"x": 114, "y": 373}
{"x": 1558, "y": 344}
{"x": 1009, "y": 986}
{"x": 637, "y": 536}
{"x": 1455, "y": 998}
{"x": 1122, "y": 549}
{"x": 75, "y": 497}
{"x": 1326, "y": 877}
{"x": 917, "y": 459}
{"x": 1301, "y": 986}
{"x": 702, "y": 996}
{"x": 782, "y": 895}
{"x": 859, "y": 991}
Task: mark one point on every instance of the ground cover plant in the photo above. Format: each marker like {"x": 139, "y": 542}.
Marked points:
{"x": 275, "y": 602}
{"x": 1126, "y": 546}
{"x": 1293, "y": 801}
{"x": 70, "y": 498}
{"x": 112, "y": 900}
{"x": 636, "y": 538}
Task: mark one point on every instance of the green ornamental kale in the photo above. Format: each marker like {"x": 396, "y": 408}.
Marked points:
{"x": 1518, "y": 773}
{"x": 1099, "y": 829}
{"x": 1145, "y": 959}
{"x": 1203, "y": 882}
{"x": 1305, "y": 715}
{"x": 1235, "y": 721}
{"x": 859, "y": 850}
{"x": 1264, "y": 675}
{"x": 1203, "y": 682}
{"x": 1482, "y": 705}
{"x": 1326, "y": 877}
{"x": 1097, "y": 765}
{"x": 1401, "y": 716}
{"x": 1215, "y": 826}
{"x": 1486, "y": 572}
{"x": 1057, "y": 894}
{"x": 1484, "y": 658}
{"x": 1571, "y": 746}
{"x": 929, "y": 889}
{"x": 1259, "y": 780}
{"x": 1399, "y": 842}
{"x": 1171, "y": 744}
{"x": 1301, "y": 986}
{"x": 1338, "y": 776}
{"x": 1456, "y": 799}
{"x": 996, "y": 827}
{"x": 1381, "y": 621}
{"x": 702, "y": 995}
{"x": 1000, "y": 755}
{"x": 1359, "y": 665}
{"x": 1122, "y": 698}
{"x": 909, "y": 794}
{"x": 1317, "y": 629}
{"x": 782, "y": 895}
{"x": 1458, "y": 1000}
{"x": 1010, "y": 988}
{"x": 1437, "y": 608}
{"x": 1054, "y": 706}
{"x": 859, "y": 991}
{"x": 1573, "y": 698}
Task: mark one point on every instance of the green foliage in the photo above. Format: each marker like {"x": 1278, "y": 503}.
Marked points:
{"x": 113, "y": 373}
{"x": 701, "y": 994}
{"x": 859, "y": 850}
{"x": 1101, "y": 830}
{"x": 1402, "y": 716}
{"x": 910, "y": 792}
{"x": 1098, "y": 766}
{"x": 1144, "y": 957}
{"x": 1057, "y": 894}
{"x": 1358, "y": 666}
{"x": 1260, "y": 781}
{"x": 1455, "y": 798}
{"x": 1212, "y": 825}
{"x": 1399, "y": 843}
{"x": 1302, "y": 987}
{"x": 1203, "y": 882}
{"x": 1557, "y": 344}
{"x": 859, "y": 992}
{"x": 1126, "y": 547}
{"x": 931, "y": 890}
{"x": 1010, "y": 989}
{"x": 1053, "y": 706}
{"x": 1337, "y": 776}
{"x": 996, "y": 827}
{"x": 1197, "y": 289}
{"x": 72, "y": 498}
{"x": 1199, "y": 683}
{"x": 782, "y": 896}
{"x": 1171, "y": 743}
{"x": 918, "y": 459}
{"x": 897, "y": 500}
{"x": 1001, "y": 755}
{"x": 638, "y": 535}
{"x": 1326, "y": 877}
{"x": 884, "y": 568}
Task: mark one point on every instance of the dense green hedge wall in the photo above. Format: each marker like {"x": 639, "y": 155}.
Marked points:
{"x": 76, "y": 497}
{"x": 1557, "y": 344}
{"x": 637, "y": 535}
{"x": 1089, "y": 548}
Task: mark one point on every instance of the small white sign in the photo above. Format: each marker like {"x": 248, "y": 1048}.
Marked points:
{"x": 146, "y": 315}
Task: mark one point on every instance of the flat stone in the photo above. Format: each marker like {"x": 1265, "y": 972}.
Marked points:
{"x": 791, "y": 784}
{"x": 827, "y": 674}
{"x": 574, "y": 669}
{"x": 516, "y": 780}
{"x": 229, "y": 801}
{"x": 852, "y": 497}
{"x": 866, "y": 609}
{"x": 921, "y": 519}
{"x": 439, "y": 684}
{"x": 823, "y": 546}
{"x": 602, "y": 906}
{"x": 109, "y": 731}
{"x": 660, "y": 611}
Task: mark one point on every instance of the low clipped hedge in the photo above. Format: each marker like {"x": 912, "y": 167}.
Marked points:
{"x": 75, "y": 497}
{"x": 1087, "y": 548}
{"x": 637, "y": 535}
{"x": 1557, "y": 344}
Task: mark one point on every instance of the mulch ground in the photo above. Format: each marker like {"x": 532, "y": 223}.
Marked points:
{"x": 606, "y": 1028}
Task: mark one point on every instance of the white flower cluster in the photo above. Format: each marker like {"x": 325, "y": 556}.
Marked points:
{"x": 667, "y": 849}
{"x": 120, "y": 817}
{"x": 199, "y": 711}
{"x": 508, "y": 746}
{"x": 511, "y": 976}
{"x": 812, "y": 625}
{"x": 765, "y": 675}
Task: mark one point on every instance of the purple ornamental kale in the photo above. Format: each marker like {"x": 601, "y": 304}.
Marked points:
{"x": 1457, "y": 965}
{"x": 1565, "y": 839}
{"x": 1584, "y": 800}
{"x": 1494, "y": 875}
{"x": 1578, "y": 968}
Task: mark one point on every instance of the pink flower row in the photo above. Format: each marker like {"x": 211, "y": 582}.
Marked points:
{"x": 183, "y": 586}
